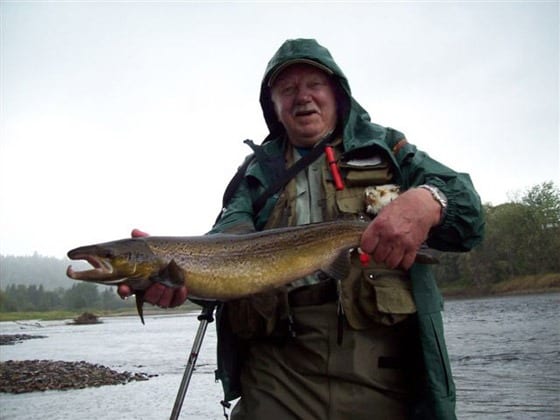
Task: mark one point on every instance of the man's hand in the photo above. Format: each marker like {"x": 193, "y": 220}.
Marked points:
{"x": 157, "y": 293}
{"x": 399, "y": 229}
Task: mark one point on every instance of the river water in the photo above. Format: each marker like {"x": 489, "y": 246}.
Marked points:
{"x": 505, "y": 355}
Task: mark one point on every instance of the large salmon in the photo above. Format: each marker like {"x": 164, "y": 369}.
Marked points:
{"x": 223, "y": 266}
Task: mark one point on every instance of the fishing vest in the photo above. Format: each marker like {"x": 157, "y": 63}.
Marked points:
{"x": 370, "y": 294}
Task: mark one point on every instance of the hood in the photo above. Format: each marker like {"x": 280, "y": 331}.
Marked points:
{"x": 298, "y": 50}
{"x": 354, "y": 121}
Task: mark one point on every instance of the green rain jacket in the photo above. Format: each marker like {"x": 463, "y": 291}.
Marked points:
{"x": 461, "y": 229}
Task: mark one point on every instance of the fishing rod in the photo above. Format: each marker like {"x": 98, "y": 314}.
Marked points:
{"x": 206, "y": 317}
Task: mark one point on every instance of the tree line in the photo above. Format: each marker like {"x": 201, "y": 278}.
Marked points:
{"x": 522, "y": 238}
{"x": 79, "y": 297}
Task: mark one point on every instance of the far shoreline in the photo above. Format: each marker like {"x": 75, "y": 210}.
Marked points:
{"x": 519, "y": 286}
{"x": 523, "y": 285}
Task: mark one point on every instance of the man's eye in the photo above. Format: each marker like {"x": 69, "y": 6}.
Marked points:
{"x": 288, "y": 90}
{"x": 316, "y": 84}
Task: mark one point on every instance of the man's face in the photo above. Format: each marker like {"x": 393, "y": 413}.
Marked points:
{"x": 305, "y": 103}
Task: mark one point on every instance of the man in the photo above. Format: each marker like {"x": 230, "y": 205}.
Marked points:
{"x": 371, "y": 346}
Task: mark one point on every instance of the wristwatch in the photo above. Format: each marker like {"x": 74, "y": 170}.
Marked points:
{"x": 439, "y": 197}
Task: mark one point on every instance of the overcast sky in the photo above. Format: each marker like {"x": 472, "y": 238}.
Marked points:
{"x": 132, "y": 114}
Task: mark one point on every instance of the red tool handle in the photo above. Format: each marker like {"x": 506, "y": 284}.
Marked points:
{"x": 339, "y": 185}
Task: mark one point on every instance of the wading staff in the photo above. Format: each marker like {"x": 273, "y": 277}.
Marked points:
{"x": 205, "y": 317}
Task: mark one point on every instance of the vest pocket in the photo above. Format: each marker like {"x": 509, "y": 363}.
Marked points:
{"x": 393, "y": 293}
{"x": 356, "y": 179}
{"x": 377, "y": 296}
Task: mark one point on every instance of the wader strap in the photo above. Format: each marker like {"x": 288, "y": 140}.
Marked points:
{"x": 291, "y": 172}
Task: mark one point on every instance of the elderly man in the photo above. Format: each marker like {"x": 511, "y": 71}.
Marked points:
{"x": 371, "y": 346}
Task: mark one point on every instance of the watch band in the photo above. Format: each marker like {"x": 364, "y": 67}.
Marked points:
{"x": 439, "y": 197}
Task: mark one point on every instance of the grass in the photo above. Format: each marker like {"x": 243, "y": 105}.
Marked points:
{"x": 59, "y": 315}
{"x": 43, "y": 316}
{"x": 524, "y": 284}
{"x": 540, "y": 283}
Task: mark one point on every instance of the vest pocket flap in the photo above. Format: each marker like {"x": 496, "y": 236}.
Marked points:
{"x": 350, "y": 200}
{"x": 365, "y": 176}
{"x": 363, "y": 172}
{"x": 394, "y": 296}
{"x": 392, "y": 290}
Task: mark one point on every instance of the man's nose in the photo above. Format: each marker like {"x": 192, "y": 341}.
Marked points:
{"x": 303, "y": 94}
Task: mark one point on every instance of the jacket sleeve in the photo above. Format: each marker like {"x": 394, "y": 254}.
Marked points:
{"x": 237, "y": 215}
{"x": 463, "y": 225}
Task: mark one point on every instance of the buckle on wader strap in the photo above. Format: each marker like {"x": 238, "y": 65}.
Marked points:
{"x": 318, "y": 294}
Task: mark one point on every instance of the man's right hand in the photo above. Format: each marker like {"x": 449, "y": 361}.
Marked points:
{"x": 157, "y": 293}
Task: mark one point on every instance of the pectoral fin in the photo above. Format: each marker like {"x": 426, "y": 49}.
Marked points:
{"x": 340, "y": 267}
{"x": 171, "y": 275}
{"x": 139, "y": 295}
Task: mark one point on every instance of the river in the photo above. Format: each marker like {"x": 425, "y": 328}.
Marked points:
{"x": 504, "y": 354}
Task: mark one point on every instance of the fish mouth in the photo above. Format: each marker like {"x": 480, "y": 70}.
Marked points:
{"x": 102, "y": 270}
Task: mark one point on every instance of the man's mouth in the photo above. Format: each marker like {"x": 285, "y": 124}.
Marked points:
{"x": 305, "y": 113}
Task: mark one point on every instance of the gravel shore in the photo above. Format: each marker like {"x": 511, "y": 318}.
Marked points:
{"x": 19, "y": 376}
{"x": 7, "y": 339}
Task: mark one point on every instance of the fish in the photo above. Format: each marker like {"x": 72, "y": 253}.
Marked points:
{"x": 222, "y": 267}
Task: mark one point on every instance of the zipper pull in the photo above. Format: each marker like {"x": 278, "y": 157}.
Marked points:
{"x": 289, "y": 316}
{"x": 339, "y": 313}
{"x": 291, "y": 325}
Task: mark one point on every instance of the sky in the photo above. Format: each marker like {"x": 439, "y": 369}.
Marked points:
{"x": 122, "y": 115}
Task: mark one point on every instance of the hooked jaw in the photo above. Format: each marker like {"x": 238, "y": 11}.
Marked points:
{"x": 102, "y": 271}
{"x": 112, "y": 267}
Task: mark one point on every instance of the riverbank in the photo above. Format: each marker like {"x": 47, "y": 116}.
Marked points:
{"x": 534, "y": 284}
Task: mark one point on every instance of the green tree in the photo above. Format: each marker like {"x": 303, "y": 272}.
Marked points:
{"x": 543, "y": 220}
{"x": 52, "y": 300}
{"x": 6, "y": 303}
{"x": 110, "y": 301}
{"x": 522, "y": 238}
{"x": 81, "y": 296}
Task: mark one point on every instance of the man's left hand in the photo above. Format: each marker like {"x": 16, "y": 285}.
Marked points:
{"x": 395, "y": 235}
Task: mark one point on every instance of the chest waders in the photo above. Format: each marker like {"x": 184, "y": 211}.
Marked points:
{"x": 279, "y": 329}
